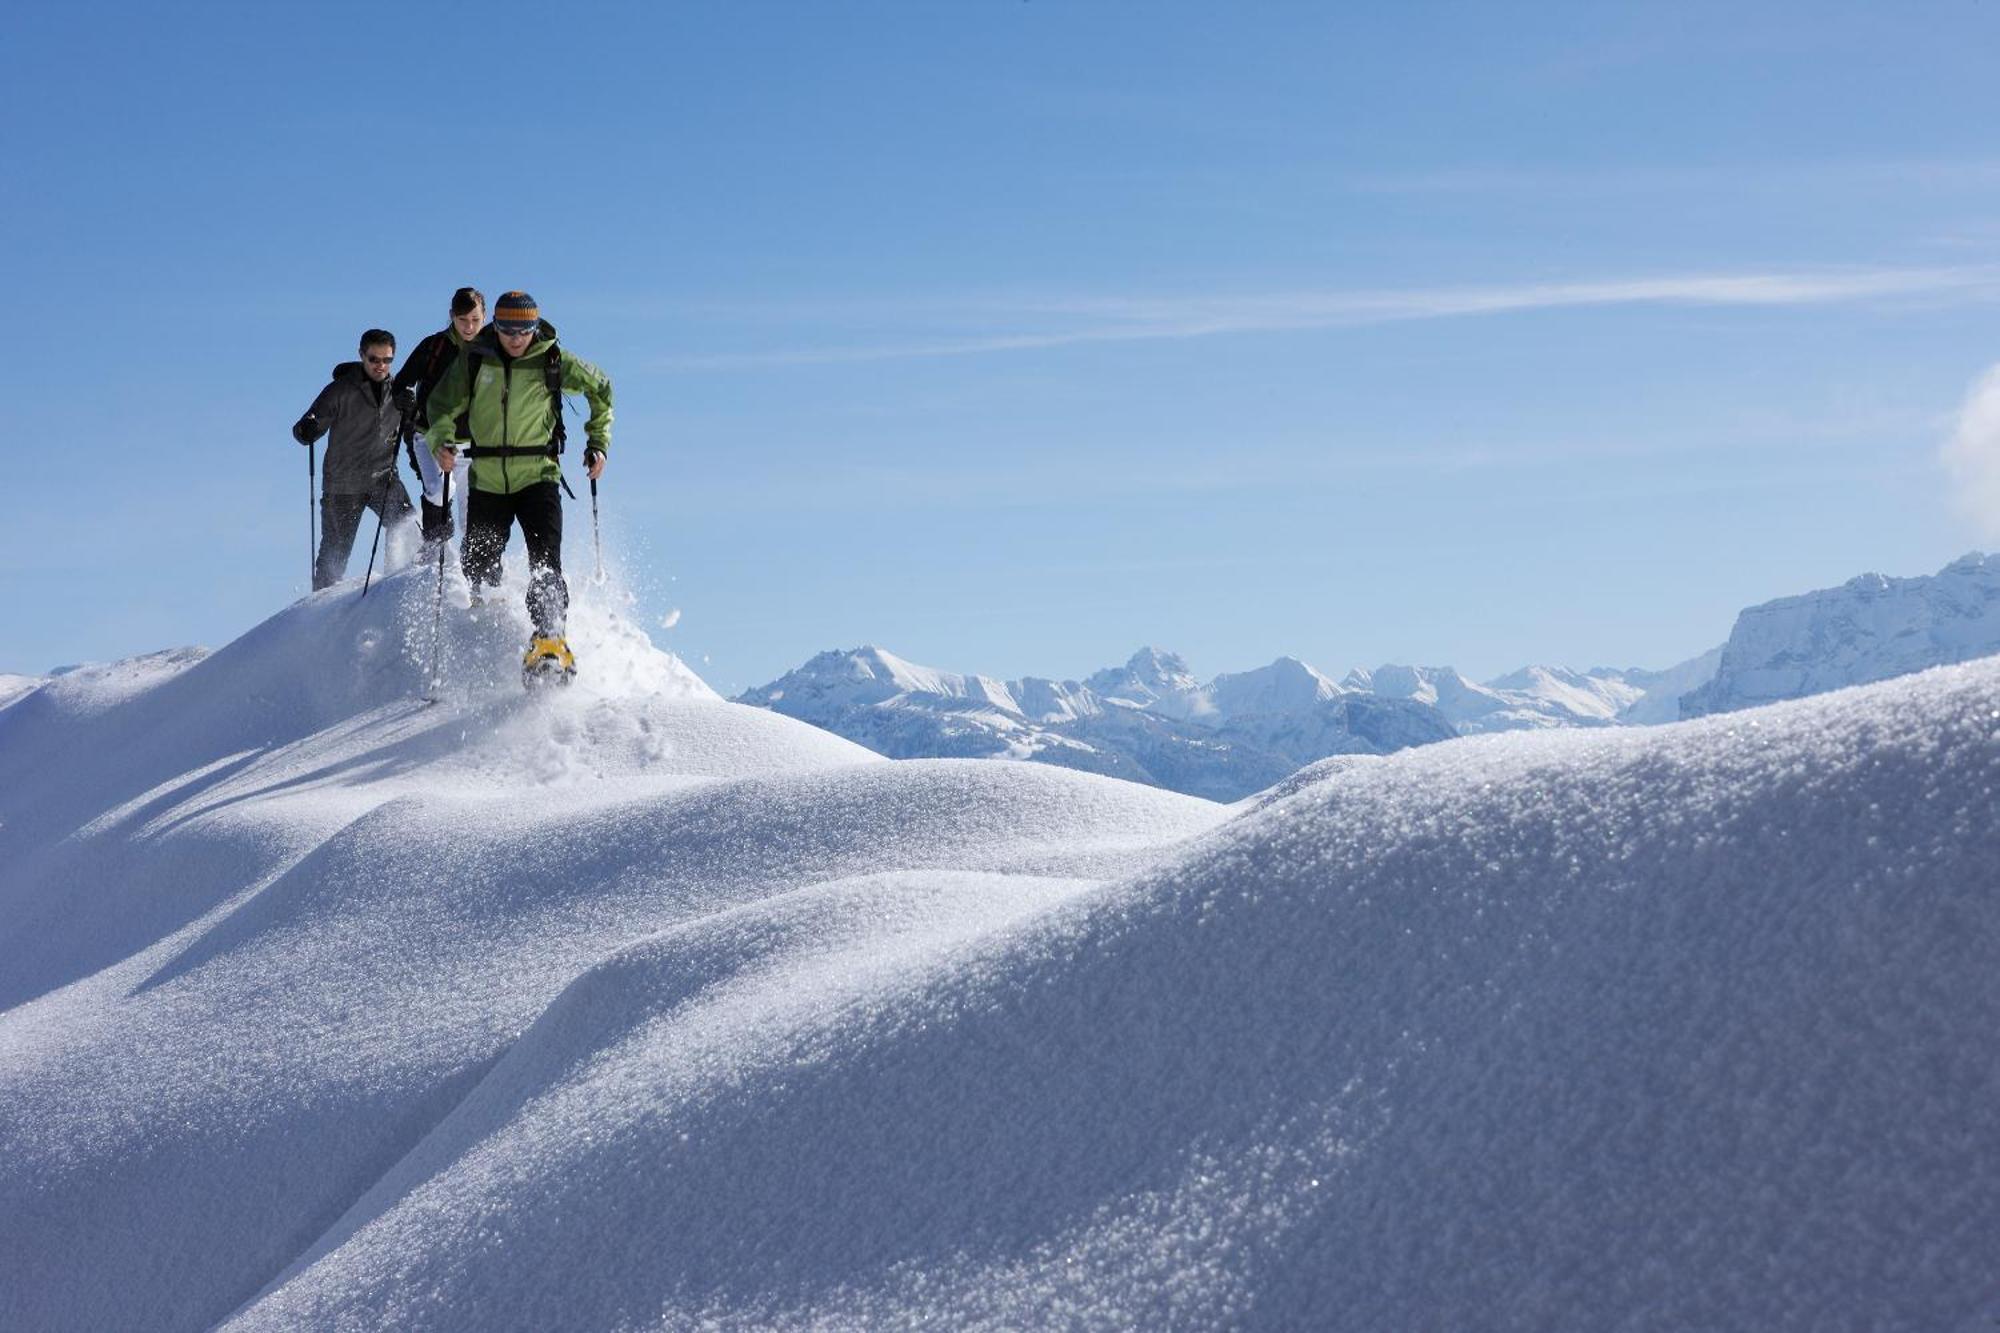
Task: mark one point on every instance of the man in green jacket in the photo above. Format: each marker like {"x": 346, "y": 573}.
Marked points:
{"x": 500, "y": 404}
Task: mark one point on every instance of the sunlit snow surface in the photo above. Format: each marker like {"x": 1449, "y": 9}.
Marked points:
{"x": 624, "y": 1006}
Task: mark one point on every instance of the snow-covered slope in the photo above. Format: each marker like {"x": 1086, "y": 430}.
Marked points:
{"x": 1870, "y": 628}
{"x": 1660, "y": 691}
{"x": 1588, "y": 699}
{"x": 13, "y": 687}
{"x": 634, "y": 1008}
{"x": 1148, "y": 721}
{"x": 869, "y": 676}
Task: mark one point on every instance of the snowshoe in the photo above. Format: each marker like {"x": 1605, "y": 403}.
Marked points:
{"x": 548, "y": 661}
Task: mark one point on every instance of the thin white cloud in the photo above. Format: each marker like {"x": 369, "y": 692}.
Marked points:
{"x": 1112, "y": 320}
{"x": 1937, "y": 174}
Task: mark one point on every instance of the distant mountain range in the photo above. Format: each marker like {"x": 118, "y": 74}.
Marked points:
{"x": 1151, "y": 720}
{"x": 1539, "y": 697}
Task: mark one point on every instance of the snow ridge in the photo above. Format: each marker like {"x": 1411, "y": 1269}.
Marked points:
{"x": 330, "y": 1010}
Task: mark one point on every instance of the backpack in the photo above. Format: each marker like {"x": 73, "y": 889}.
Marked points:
{"x": 443, "y": 352}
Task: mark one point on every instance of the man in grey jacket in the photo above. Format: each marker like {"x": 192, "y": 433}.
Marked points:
{"x": 361, "y": 417}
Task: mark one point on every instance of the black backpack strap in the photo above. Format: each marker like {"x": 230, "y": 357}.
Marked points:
{"x": 473, "y": 354}
{"x": 434, "y": 365}
{"x": 552, "y": 373}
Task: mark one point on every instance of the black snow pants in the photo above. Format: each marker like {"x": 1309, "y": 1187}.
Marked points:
{"x": 489, "y": 521}
{"x": 340, "y": 518}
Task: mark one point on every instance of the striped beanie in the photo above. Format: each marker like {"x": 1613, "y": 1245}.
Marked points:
{"x": 515, "y": 312}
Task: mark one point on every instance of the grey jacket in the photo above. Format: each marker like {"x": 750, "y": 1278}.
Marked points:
{"x": 360, "y": 420}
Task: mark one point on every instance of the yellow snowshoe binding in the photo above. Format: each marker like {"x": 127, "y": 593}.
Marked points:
{"x": 548, "y": 661}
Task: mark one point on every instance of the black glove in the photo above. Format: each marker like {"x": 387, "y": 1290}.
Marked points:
{"x": 436, "y": 521}
{"x": 306, "y": 430}
{"x": 406, "y": 402}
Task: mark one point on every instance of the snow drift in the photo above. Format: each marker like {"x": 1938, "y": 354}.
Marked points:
{"x": 629, "y": 1007}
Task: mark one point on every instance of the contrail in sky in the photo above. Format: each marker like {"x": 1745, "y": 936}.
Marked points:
{"x": 1110, "y": 320}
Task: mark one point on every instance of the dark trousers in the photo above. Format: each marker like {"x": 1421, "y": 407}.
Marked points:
{"x": 340, "y": 518}
{"x": 489, "y": 521}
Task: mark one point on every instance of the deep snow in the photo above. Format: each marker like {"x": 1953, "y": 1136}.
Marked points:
{"x": 629, "y": 1007}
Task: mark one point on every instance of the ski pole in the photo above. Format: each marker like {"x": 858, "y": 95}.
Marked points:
{"x": 387, "y": 481}
{"x": 596, "y": 537}
{"x": 437, "y": 607}
{"x": 312, "y": 521}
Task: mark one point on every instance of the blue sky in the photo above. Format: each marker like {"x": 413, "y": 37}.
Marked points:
{"x": 1012, "y": 336}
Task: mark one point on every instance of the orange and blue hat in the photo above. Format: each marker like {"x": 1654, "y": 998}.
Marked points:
{"x": 515, "y": 312}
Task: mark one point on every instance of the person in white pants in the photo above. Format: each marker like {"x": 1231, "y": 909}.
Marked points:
{"x": 419, "y": 375}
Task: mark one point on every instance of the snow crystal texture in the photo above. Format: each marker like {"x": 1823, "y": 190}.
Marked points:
{"x": 631, "y": 1008}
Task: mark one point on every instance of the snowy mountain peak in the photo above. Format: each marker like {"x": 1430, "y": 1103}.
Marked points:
{"x": 1973, "y": 565}
{"x": 909, "y": 678}
{"x": 1147, "y": 677}
{"x": 869, "y": 675}
{"x": 1162, "y": 668}
{"x": 869, "y": 661}
{"x": 1536, "y": 677}
{"x": 13, "y": 687}
{"x": 1590, "y": 698}
{"x": 1424, "y": 684}
{"x": 1285, "y": 686}
{"x": 1868, "y": 629}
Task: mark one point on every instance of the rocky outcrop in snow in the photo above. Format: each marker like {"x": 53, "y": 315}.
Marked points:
{"x": 1870, "y": 628}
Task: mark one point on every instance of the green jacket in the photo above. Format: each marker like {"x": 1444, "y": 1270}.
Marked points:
{"x": 510, "y": 405}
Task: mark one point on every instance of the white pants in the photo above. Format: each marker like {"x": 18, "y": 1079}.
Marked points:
{"x": 432, "y": 474}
